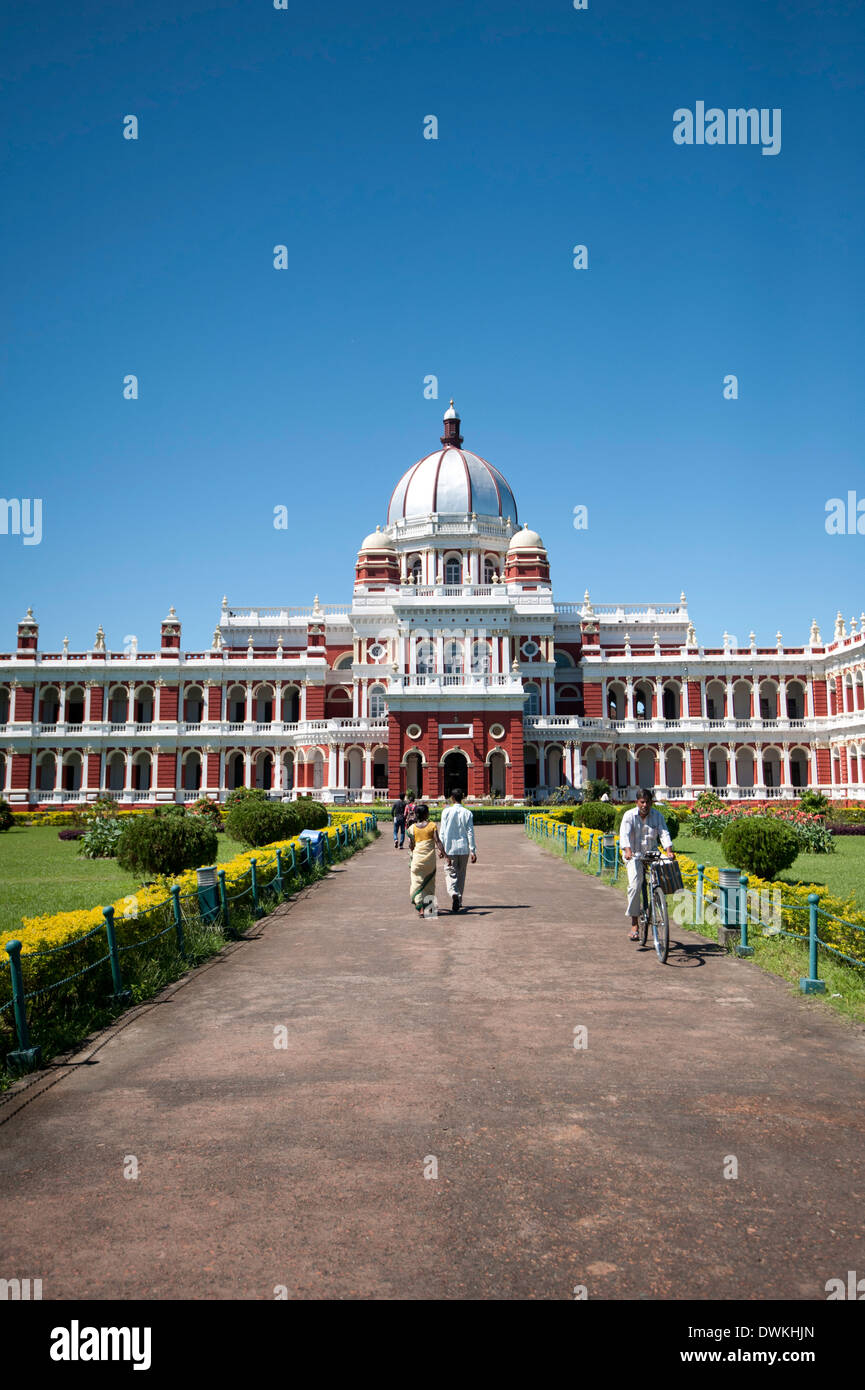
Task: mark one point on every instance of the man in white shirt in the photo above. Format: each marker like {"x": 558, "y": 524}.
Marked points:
{"x": 640, "y": 832}
{"x": 457, "y": 834}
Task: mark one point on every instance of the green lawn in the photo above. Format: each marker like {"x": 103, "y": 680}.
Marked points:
{"x": 842, "y": 873}
{"x": 39, "y": 873}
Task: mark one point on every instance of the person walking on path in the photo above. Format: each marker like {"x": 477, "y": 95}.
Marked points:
{"x": 398, "y": 813}
{"x": 424, "y": 840}
{"x": 458, "y": 845}
{"x": 640, "y": 831}
{"x": 410, "y": 810}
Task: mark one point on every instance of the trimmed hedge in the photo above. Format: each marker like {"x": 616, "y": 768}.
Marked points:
{"x": 255, "y": 822}
{"x": 595, "y": 815}
{"x": 162, "y": 845}
{"x": 761, "y": 845}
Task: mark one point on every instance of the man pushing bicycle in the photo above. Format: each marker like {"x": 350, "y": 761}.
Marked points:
{"x": 640, "y": 832}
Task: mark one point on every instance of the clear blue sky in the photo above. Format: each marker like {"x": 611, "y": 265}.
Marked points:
{"x": 409, "y": 256}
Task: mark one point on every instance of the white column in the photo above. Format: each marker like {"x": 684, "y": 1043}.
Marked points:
{"x": 729, "y": 712}
{"x": 331, "y": 767}
{"x": 809, "y": 703}
{"x": 703, "y": 696}
{"x": 629, "y": 699}
{"x": 785, "y": 765}
{"x": 247, "y": 768}
{"x": 495, "y": 662}
{"x": 127, "y": 777}
{"x": 61, "y": 709}
{"x": 467, "y": 653}
{"x": 367, "y": 767}
{"x": 340, "y": 767}
{"x": 552, "y": 685}
{"x": 221, "y": 772}
{"x": 662, "y": 767}
{"x": 301, "y": 713}
{"x": 577, "y": 757}
{"x": 248, "y": 706}
{"x": 440, "y": 653}
{"x": 412, "y": 652}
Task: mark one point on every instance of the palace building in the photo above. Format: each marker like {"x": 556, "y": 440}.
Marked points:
{"x": 451, "y": 665}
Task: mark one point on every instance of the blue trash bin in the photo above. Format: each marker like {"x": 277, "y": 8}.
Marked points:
{"x": 315, "y": 843}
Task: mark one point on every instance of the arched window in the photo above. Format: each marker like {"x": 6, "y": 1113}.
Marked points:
{"x": 454, "y": 656}
{"x": 481, "y": 658}
{"x": 532, "y": 701}
{"x": 144, "y": 705}
{"x": 415, "y": 569}
{"x": 453, "y": 570}
{"x": 377, "y": 702}
{"x": 426, "y": 659}
{"x": 489, "y": 569}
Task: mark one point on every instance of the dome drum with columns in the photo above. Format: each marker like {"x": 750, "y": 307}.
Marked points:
{"x": 452, "y": 665}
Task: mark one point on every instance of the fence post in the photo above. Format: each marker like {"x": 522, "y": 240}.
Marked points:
{"x": 279, "y": 872}
{"x": 293, "y": 870}
{"x": 26, "y": 1057}
{"x": 700, "y": 909}
{"x": 256, "y": 907}
{"x": 813, "y": 984}
{"x": 223, "y": 900}
{"x": 120, "y": 995}
{"x": 178, "y": 918}
{"x": 743, "y": 949}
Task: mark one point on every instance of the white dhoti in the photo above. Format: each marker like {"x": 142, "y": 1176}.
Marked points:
{"x": 636, "y": 870}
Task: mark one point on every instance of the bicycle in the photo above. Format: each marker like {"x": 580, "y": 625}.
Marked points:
{"x": 654, "y": 905}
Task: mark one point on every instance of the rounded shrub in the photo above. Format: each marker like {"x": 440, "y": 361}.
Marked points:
{"x": 165, "y": 845}
{"x": 760, "y": 845}
{"x": 595, "y": 815}
{"x": 7, "y": 817}
{"x": 255, "y": 823}
{"x": 313, "y": 815}
{"x": 814, "y": 803}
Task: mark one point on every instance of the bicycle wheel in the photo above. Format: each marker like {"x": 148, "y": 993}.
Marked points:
{"x": 660, "y": 924}
{"x": 644, "y": 917}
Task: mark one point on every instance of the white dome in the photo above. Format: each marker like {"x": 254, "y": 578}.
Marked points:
{"x": 525, "y": 539}
{"x": 452, "y": 481}
{"x": 379, "y": 540}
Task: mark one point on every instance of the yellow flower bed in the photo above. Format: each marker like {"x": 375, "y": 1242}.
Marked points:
{"x": 843, "y": 935}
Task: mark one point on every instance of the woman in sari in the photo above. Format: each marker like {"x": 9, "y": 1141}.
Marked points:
{"x": 424, "y": 840}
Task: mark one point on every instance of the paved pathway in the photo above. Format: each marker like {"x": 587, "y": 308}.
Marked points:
{"x": 450, "y": 1038}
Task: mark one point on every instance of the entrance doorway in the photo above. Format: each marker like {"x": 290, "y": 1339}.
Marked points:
{"x": 456, "y": 773}
{"x": 414, "y": 774}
